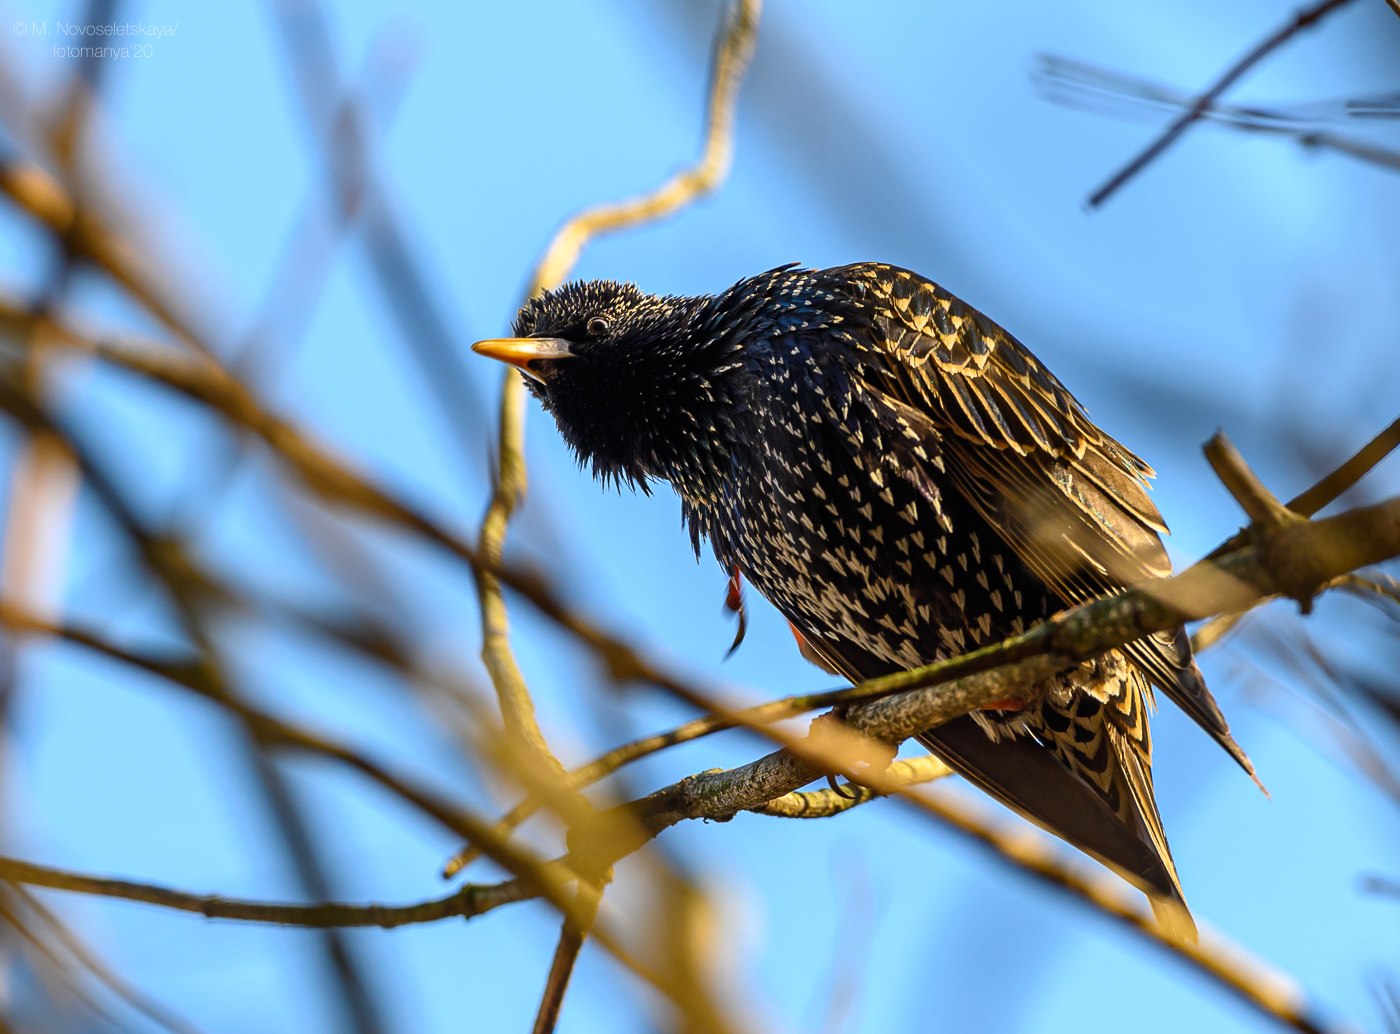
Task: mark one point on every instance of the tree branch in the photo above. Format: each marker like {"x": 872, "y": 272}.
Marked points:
{"x": 1303, "y": 20}
{"x": 468, "y": 901}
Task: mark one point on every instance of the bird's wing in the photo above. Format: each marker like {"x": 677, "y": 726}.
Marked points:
{"x": 1068, "y": 499}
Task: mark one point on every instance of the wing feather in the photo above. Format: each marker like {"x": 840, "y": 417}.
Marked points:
{"x": 1068, "y": 499}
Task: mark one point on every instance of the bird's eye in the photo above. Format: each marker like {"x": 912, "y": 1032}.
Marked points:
{"x": 598, "y": 326}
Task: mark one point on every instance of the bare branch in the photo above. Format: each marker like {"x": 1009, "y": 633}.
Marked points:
{"x": 1088, "y": 87}
{"x": 731, "y": 60}
{"x": 1349, "y": 473}
{"x": 565, "y": 956}
{"x": 1256, "y": 500}
{"x": 468, "y": 901}
{"x": 1303, "y": 20}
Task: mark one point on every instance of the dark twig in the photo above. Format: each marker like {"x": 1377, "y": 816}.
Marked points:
{"x": 467, "y": 901}
{"x": 340, "y": 135}
{"x": 1090, "y": 88}
{"x": 1303, "y": 20}
{"x": 1349, "y": 473}
{"x": 571, "y": 937}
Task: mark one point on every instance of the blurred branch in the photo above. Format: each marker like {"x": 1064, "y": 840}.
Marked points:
{"x": 1302, "y": 20}
{"x": 1272, "y": 993}
{"x": 339, "y": 133}
{"x": 189, "y": 674}
{"x": 299, "y": 276}
{"x": 565, "y": 956}
{"x": 73, "y": 946}
{"x": 1327, "y": 723}
{"x": 1386, "y": 885}
{"x": 49, "y": 966}
{"x": 1088, "y": 87}
{"x": 85, "y": 233}
{"x": 1349, "y": 473}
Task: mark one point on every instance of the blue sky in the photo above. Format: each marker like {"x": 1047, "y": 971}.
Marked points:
{"x": 1238, "y": 283}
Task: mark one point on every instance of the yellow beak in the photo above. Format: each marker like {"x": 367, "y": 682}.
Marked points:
{"x": 520, "y": 352}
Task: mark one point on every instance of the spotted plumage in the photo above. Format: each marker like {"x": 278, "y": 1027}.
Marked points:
{"x": 904, "y": 481}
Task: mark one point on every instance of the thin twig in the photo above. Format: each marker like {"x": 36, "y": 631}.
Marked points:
{"x": 1084, "y": 86}
{"x": 467, "y": 901}
{"x": 517, "y": 706}
{"x": 565, "y": 956}
{"x": 1304, "y": 19}
{"x": 1272, "y": 993}
{"x": 85, "y": 957}
{"x": 40, "y": 951}
{"x": 1349, "y": 473}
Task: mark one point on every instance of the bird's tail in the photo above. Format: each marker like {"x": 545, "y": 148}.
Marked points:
{"x": 1086, "y": 777}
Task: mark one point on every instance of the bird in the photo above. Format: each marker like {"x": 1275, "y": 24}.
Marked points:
{"x": 904, "y": 481}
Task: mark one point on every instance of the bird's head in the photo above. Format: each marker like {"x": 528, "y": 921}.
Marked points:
{"x": 640, "y": 385}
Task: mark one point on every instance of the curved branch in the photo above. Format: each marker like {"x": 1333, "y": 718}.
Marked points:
{"x": 733, "y": 49}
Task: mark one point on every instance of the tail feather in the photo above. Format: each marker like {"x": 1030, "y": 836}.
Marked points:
{"x": 1166, "y": 658}
{"x": 1029, "y": 779}
{"x": 1082, "y": 770}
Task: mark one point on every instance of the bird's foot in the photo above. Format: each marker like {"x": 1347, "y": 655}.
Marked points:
{"x": 847, "y": 751}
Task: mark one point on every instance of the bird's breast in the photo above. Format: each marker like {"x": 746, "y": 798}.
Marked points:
{"x": 835, "y": 535}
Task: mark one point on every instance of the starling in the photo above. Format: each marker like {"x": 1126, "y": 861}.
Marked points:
{"x": 905, "y": 482}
